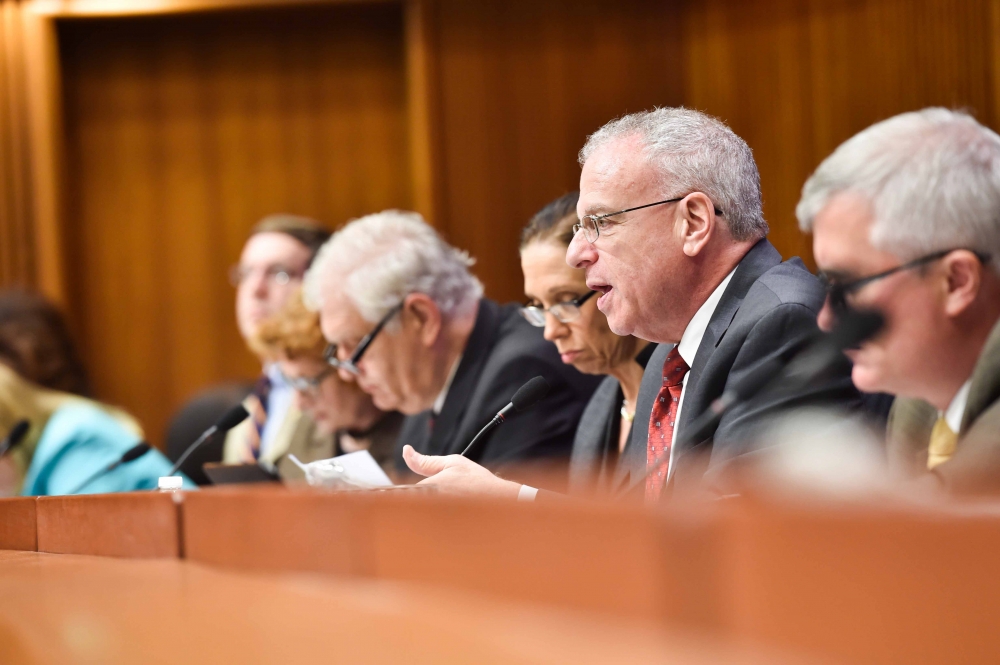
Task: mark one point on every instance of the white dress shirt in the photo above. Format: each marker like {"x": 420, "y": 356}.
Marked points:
{"x": 443, "y": 395}
{"x": 953, "y": 415}
{"x": 279, "y": 400}
{"x": 687, "y": 348}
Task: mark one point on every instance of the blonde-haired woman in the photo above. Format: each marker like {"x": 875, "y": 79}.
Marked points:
{"x": 330, "y": 416}
{"x": 70, "y": 439}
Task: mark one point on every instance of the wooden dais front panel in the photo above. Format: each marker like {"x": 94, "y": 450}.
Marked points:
{"x": 130, "y": 524}
{"x": 17, "y": 524}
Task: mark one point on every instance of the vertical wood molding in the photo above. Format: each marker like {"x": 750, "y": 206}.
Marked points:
{"x": 424, "y": 111}
{"x": 994, "y": 64}
{"x": 16, "y": 232}
{"x": 46, "y": 141}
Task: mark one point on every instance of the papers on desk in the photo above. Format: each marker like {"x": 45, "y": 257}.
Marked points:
{"x": 357, "y": 470}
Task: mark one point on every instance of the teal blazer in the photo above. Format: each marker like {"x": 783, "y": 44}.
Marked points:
{"x": 80, "y": 439}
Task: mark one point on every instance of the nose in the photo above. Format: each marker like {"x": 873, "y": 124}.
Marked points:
{"x": 258, "y": 284}
{"x": 581, "y": 252}
{"x": 826, "y": 319}
{"x": 554, "y": 328}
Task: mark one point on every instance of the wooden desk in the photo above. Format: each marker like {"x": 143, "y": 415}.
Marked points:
{"x": 583, "y": 555}
{"x": 130, "y": 524}
{"x": 877, "y": 583}
{"x": 18, "y": 524}
{"x": 80, "y": 609}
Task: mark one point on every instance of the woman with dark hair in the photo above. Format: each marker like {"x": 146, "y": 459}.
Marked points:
{"x": 559, "y": 301}
{"x": 35, "y": 342}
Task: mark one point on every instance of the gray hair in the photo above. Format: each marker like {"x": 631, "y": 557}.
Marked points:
{"x": 932, "y": 178}
{"x": 382, "y": 258}
{"x": 695, "y": 152}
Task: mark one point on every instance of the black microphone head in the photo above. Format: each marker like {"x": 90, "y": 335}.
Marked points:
{"x": 529, "y": 394}
{"x": 855, "y": 327}
{"x": 232, "y": 418}
{"x": 17, "y": 432}
{"x": 135, "y": 452}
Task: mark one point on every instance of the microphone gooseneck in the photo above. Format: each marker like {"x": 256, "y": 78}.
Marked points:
{"x": 130, "y": 455}
{"x": 15, "y": 436}
{"x": 526, "y": 397}
{"x": 779, "y": 374}
{"x": 229, "y": 420}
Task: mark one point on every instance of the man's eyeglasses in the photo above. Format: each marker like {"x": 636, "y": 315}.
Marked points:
{"x": 837, "y": 292}
{"x": 565, "y": 312}
{"x": 279, "y": 275}
{"x": 351, "y": 364}
{"x": 593, "y": 225}
{"x": 308, "y": 384}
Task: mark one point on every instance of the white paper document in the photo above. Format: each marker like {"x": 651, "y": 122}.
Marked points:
{"x": 358, "y": 469}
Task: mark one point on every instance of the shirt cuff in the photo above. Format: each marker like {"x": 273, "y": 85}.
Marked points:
{"x": 526, "y": 493}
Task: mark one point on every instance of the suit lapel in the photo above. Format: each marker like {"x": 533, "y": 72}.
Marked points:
{"x": 985, "y": 389}
{"x": 477, "y": 350}
{"x": 761, "y": 258}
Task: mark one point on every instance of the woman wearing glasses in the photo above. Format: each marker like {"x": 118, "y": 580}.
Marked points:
{"x": 341, "y": 417}
{"x": 560, "y": 302}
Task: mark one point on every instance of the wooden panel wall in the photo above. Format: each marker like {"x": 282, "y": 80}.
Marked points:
{"x": 796, "y": 78}
{"x": 522, "y": 84}
{"x": 182, "y": 132}
{"x": 182, "y": 129}
{"x": 16, "y": 232}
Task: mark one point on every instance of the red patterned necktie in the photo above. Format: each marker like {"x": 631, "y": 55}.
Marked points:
{"x": 661, "y": 424}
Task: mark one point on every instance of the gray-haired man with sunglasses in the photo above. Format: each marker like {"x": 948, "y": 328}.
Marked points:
{"x": 906, "y": 220}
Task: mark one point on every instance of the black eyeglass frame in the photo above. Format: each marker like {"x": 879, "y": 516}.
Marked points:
{"x": 837, "y": 292}
{"x": 351, "y": 364}
{"x": 309, "y": 385}
{"x": 576, "y": 302}
{"x": 594, "y": 219}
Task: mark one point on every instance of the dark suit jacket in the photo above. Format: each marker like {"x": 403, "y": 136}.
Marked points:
{"x": 595, "y": 447}
{"x": 768, "y": 310}
{"x": 503, "y": 352}
{"x": 974, "y": 468}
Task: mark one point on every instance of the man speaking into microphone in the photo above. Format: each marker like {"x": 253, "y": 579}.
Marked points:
{"x": 406, "y": 319}
{"x": 672, "y": 235}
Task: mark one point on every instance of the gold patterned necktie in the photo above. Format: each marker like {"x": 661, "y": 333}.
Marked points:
{"x": 942, "y": 445}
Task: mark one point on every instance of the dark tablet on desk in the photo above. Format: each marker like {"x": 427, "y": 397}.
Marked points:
{"x": 229, "y": 474}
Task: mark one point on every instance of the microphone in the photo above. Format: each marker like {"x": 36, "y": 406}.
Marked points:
{"x": 816, "y": 357}
{"x": 526, "y": 397}
{"x": 132, "y": 454}
{"x": 854, "y": 327}
{"x": 229, "y": 420}
{"x": 15, "y": 436}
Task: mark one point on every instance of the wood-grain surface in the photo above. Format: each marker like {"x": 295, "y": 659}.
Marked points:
{"x": 18, "y": 528}
{"x": 129, "y": 524}
{"x": 77, "y": 609}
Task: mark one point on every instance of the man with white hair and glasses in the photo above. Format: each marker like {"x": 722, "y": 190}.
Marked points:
{"x": 672, "y": 237}
{"x": 905, "y": 219}
{"x": 406, "y": 319}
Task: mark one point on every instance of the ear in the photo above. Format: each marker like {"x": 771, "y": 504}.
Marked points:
{"x": 421, "y": 315}
{"x": 697, "y": 223}
{"x": 963, "y": 273}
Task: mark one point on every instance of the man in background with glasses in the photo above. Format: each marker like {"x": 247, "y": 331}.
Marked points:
{"x": 906, "y": 221}
{"x": 272, "y": 264}
{"x": 406, "y": 319}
